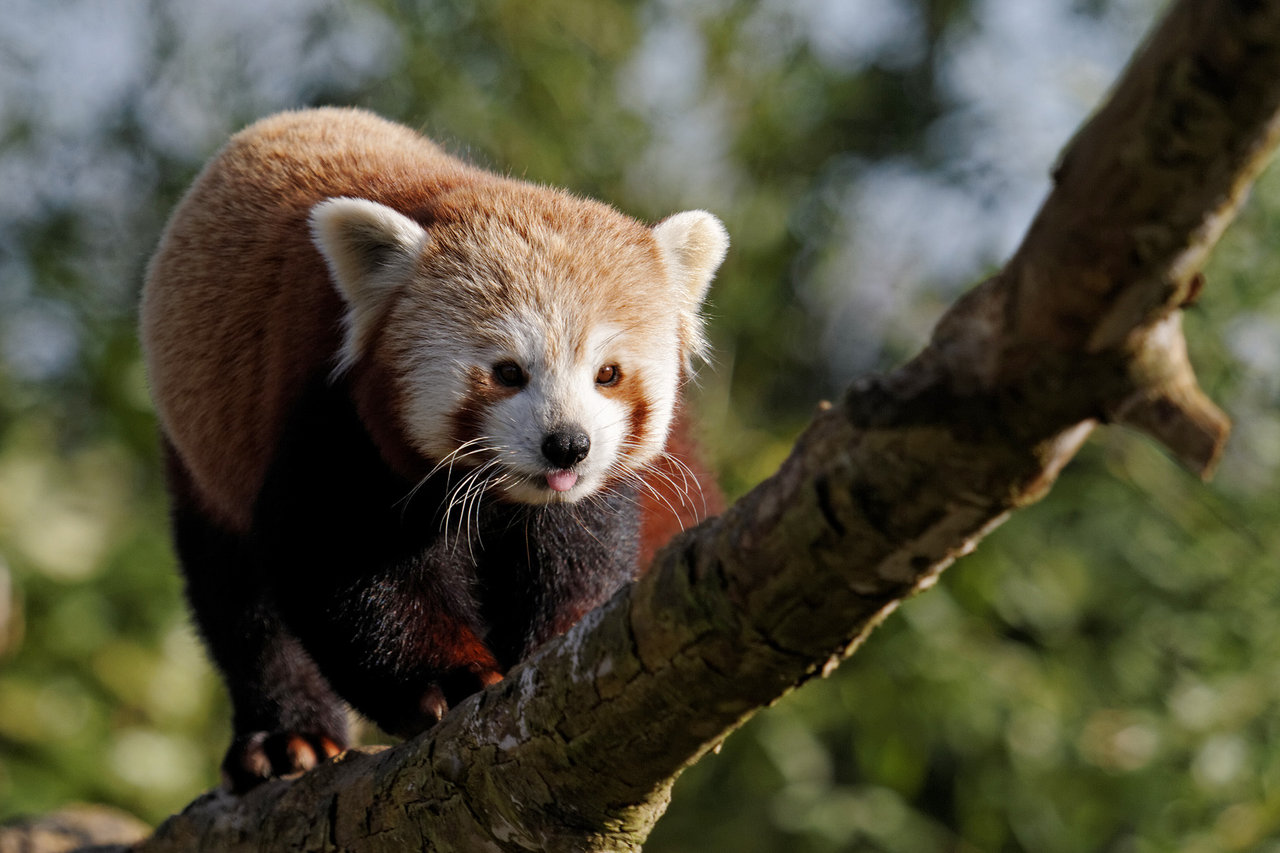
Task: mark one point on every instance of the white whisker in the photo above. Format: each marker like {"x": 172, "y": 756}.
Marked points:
{"x": 447, "y": 461}
{"x": 472, "y": 484}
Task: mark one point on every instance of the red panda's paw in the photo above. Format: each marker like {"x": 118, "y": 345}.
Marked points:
{"x": 258, "y": 756}
{"x": 439, "y": 696}
{"x": 457, "y": 684}
{"x": 432, "y": 705}
{"x": 488, "y": 677}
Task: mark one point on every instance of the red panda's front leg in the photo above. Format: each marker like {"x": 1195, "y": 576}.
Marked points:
{"x": 361, "y": 574}
{"x": 286, "y": 717}
{"x": 400, "y": 642}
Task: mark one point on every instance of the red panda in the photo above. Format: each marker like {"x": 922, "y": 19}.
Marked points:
{"x": 417, "y": 419}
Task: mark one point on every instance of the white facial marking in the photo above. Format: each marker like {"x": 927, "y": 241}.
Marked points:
{"x": 560, "y": 356}
{"x": 561, "y": 396}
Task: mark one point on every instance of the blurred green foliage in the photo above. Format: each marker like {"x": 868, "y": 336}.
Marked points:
{"x": 1102, "y": 674}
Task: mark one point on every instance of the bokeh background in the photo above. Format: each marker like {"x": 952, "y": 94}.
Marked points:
{"x": 1103, "y": 674}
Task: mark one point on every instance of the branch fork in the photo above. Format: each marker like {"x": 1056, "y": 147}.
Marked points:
{"x": 1167, "y": 403}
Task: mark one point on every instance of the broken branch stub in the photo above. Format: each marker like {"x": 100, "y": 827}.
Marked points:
{"x": 1141, "y": 195}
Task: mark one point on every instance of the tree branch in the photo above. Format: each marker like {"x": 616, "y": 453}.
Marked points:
{"x": 578, "y": 747}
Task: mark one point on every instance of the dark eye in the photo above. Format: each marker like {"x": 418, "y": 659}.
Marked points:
{"x": 510, "y": 374}
{"x": 608, "y": 375}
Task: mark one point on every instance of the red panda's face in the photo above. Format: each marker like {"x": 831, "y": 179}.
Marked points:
{"x": 535, "y": 359}
{"x": 544, "y": 404}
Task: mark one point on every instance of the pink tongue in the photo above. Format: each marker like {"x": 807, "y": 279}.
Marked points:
{"x": 561, "y": 481}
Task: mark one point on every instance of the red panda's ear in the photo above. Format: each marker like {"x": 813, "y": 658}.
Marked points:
{"x": 693, "y": 245}
{"x": 369, "y": 248}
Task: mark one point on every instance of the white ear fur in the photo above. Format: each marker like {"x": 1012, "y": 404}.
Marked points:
{"x": 368, "y": 247}
{"x": 693, "y": 244}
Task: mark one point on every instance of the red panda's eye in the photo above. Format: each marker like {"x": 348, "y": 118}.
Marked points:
{"x": 608, "y": 375}
{"x": 508, "y": 373}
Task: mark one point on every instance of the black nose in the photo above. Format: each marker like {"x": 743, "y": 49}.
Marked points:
{"x": 566, "y": 447}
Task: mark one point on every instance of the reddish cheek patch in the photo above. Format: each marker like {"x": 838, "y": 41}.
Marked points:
{"x": 482, "y": 394}
{"x": 630, "y": 392}
{"x": 467, "y": 421}
{"x": 638, "y": 416}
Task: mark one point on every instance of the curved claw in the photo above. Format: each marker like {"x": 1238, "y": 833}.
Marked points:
{"x": 255, "y": 757}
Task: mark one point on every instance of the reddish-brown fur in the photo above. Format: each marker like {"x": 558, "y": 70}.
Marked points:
{"x": 219, "y": 245}
{"x": 315, "y": 567}
{"x": 682, "y": 495}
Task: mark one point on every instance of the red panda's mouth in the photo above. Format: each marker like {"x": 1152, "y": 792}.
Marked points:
{"x": 561, "y": 480}
{"x": 548, "y": 486}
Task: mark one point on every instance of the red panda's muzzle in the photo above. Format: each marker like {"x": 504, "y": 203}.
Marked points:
{"x": 565, "y": 448}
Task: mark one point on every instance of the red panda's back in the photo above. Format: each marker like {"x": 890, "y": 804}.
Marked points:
{"x": 237, "y": 312}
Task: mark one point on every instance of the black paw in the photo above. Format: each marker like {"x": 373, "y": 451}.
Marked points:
{"x": 258, "y": 756}
{"x": 432, "y": 706}
{"x": 438, "y": 697}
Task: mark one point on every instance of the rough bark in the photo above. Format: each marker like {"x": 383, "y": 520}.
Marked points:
{"x": 577, "y": 748}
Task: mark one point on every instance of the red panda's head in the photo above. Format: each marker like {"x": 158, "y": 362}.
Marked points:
{"x": 535, "y": 342}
